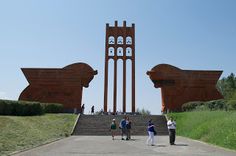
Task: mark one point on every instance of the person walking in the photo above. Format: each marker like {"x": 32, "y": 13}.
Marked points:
{"x": 123, "y": 128}
{"x": 113, "y": 128}
{"x": 151, "y": 131}
{"x": 92, "y": 110}
{"x": 128, "y": 129}
{"x": 171, "y": 124}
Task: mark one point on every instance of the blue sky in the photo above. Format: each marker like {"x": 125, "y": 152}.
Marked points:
{"x": 189, "y": 34}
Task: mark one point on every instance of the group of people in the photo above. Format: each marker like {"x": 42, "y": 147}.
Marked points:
{"x": 83, "y": 107}
{"x": 171, "y": 125}
{"x": 125, "y": 126}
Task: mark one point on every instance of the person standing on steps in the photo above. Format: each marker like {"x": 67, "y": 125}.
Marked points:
{"x": 151, "y": 131}
{"x": 92, "y": 110}
{"x": 113, "y": 128}
{"x": 82, "y": 109}
{"x": 171, "y": 124}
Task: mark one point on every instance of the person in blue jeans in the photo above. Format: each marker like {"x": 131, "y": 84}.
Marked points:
{"x": 128, "y": 128}
{"x": 151, "y": 130}
{"x": 123, "y": 128}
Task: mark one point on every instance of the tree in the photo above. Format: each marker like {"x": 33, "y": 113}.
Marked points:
{"x": 143, "y": 111}
{"x": 227, "y": 86}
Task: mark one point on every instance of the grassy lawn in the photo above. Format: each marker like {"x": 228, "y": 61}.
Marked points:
{"x": 215, "y": 127}
{"x": 17, "y": 133}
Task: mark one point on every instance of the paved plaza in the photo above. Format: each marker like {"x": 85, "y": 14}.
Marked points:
{"x": 105, "y": 146}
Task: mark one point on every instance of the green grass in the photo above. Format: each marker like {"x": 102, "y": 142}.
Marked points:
{"x": 17, "y": 133}
{"x": 214, "y": 127}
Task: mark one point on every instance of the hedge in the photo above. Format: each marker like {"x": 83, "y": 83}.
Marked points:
{"x": 189, "y": 106}
{"x": 216, "y": 104}
{"x": 20, "y": 108}
{"x": 27, "y": 108}
{"x": 52, "y": 107}
{"x": 231, "y": 104}
{"x": 220, "y": 104}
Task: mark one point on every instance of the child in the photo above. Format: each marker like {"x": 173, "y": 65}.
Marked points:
{"x": 113, "y": 128}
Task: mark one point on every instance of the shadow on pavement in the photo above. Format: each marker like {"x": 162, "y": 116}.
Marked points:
{"x": 161, "y": 145}
{"x": 181, "y": 144}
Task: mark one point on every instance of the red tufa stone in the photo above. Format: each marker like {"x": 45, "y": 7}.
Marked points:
{"x": 120, "y": 45}
{"x": 181, "y": 86}
{"x": 58, "y": 85}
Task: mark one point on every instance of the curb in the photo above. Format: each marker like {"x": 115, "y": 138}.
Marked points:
{"x": 43, "y": 144}
{"x": 76, "y": 121}
{"x": 209, "y": 144}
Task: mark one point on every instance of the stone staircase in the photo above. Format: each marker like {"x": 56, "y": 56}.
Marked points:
{"x": 100, "y": 124}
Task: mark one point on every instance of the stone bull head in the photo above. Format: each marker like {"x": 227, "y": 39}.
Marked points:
{"x": 58, "y": 85}
{"x": 181, "y": 86}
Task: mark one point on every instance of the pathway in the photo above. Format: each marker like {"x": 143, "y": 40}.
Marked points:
{"x": 104, "y": 146}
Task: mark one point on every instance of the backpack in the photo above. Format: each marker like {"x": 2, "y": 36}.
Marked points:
{"x": 113, "y": 125}
{"x": 123, "y": 123}
{"x": 128, "y": 125}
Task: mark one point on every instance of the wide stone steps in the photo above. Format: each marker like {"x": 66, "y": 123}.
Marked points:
{"x": 100, "y": 124}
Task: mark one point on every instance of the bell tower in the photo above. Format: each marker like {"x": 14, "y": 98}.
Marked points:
{"x": 120, "y": 44}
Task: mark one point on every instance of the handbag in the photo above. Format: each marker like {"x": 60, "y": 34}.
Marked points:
{"x": 155, "y": 132}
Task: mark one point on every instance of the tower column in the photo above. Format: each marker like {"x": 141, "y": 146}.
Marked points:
{"x": 133, "y": 86}
{"x": 133, "y": 70}
{"x": 124, "y": 85}
{"x": 115, "y": 87}
{"x": 106, "y": 71}
{"x": 105, "y": 86}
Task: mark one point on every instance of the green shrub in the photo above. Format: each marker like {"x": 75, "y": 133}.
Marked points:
{"x": 209, "y": 105}
{"x": 233, "y": 96}
{"x": 52, "y": 107}
{"x": 20, "y": 108}
{"x": 216, "y": 104}
{"x": 189, "y": 106}
{"x": 5, "y": 107}
{"x": 202, "y": 107}
{"x": 28, "y": 108}
{"x": 231, "y": 105}
{"x": 143, "y": 111}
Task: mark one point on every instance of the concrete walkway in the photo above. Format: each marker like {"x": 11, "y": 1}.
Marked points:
{"x": 104, "y": 146}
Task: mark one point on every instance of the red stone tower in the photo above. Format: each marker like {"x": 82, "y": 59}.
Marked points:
{"x": 120, "y": 44}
